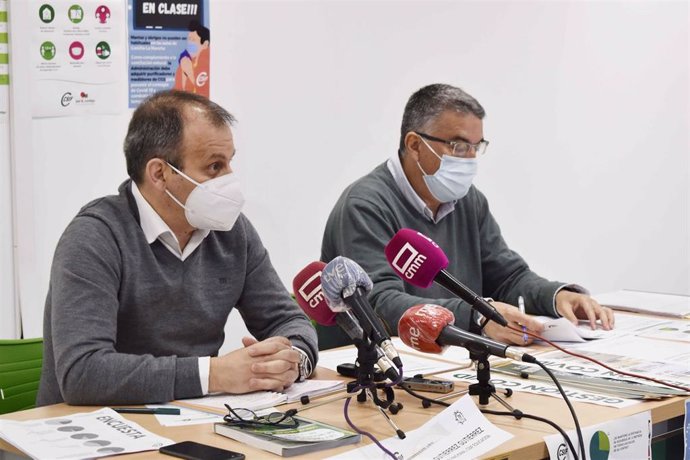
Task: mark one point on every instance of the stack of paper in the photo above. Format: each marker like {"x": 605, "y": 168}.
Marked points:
{"x": 263, "y": 399}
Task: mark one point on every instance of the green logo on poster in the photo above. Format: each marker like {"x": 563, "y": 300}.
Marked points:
{"x": 46, "y": 13}
{"x": 75, "y": 14}
{"x": 47, "y": 50}
{"x": 599, "y": 446}
{"x": 103, "y": 50}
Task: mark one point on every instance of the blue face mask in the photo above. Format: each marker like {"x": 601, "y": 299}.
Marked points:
{"x": 192, "y": 47}
{"x": 453, "y": 179}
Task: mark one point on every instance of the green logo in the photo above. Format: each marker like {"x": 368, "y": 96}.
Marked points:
{"x": 599, "y": 446}
{"x": 46, "y": 13}
{"x": 75, "y": 14}
{"x": 47, "y": 50}
{"x": 103, "y": 50}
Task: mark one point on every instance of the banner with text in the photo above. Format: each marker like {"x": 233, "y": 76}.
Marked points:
{"x": 169, "y": 47}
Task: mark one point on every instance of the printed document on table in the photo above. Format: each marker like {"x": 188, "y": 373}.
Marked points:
{"x": 458, "y": 432}
{"x": 622, "y": 439}
{"x": 502, "y": 382}
{"x": 83, "y": 435}
{"x": 646, "y": 302}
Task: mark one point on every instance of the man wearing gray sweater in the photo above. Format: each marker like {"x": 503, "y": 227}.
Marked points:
{"x": 142, "y": 282}
{"x": 428, "y": 187}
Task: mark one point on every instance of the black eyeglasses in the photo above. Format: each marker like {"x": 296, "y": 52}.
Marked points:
{"x": 462, "y": 148}
{"x": 247, "y": 417}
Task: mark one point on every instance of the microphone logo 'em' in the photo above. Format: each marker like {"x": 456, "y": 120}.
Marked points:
{"x": 408, "y": 260}
{"x": 311, "y": 290}
{"x": 414, "y": 337}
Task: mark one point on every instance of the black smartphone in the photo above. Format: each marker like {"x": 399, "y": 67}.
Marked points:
{"x": 419, "y": 383}
{"x": 195, "y": 451}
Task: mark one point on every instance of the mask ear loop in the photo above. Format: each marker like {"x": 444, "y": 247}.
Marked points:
{"x": 432, "y": 151}
{"x": 184, "y": 175}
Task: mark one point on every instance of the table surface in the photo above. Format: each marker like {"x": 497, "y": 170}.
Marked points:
{"x": 526, "y": 443}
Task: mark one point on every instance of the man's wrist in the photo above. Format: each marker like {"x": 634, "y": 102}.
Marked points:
{"x": 305, "y": 367}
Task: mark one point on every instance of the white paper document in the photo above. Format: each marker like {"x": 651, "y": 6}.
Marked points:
{"x": 562, "y": 330}
{"x": 413, "y": 363}
{"x": 623, "y": 439}
{"x": 263, "y": 399}
{"x": 457, "y": 355}
{"x": 647, "y": 302}
{"x": 187, "y": 416}
{"x": 458, "y": 432}
{"x": 84, "y": 435}
{"x": 501, "y": 381}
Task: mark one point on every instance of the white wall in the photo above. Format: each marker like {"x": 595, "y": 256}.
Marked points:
{"x": 587, "y": 171}
{"x": 9, "y": 327}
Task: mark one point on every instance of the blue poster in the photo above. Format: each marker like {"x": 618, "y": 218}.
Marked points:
{"x": 169, "y": 47}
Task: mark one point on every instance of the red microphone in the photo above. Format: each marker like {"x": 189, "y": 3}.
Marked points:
{"x": 306, "y": 287}
{"x": 420, "y": 326}
{"x": 429, "y": 328}
{"x": 418, "y": 260}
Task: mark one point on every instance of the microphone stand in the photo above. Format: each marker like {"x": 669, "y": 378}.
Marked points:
{"x": 480, "y": 357}
{"x": 366, "y": 357}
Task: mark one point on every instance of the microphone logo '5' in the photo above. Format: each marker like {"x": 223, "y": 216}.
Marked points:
{"x": 408, "y": 260}
{"x": 311, "y": 290}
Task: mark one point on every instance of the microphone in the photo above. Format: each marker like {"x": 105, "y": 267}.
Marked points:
{"x": 309, "y": 295}
{"x": 429, "y": 328}
{"x": 420, "y": 261}
{"x": 345, "y": 286}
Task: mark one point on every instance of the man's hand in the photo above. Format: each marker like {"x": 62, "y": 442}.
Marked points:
{"x": 576, "y": 306}
{"x": 516, "y": 320}
{"x": 271, "y": 364}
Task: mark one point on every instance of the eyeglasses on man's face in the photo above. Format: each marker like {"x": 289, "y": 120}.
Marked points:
{"x": 247, "y": 417}
{"x": 461, "y": 148}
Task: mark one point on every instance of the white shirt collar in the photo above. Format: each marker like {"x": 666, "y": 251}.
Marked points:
{"x": 155, "y": 228}
{"x": 395, "y": 167}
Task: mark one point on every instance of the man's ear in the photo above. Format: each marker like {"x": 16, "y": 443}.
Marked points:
{"x": 156, "y": 173}
{"x": 412, "y": 145}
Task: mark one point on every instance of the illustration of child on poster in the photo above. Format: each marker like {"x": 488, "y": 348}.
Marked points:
{"x": 192, "y": 72}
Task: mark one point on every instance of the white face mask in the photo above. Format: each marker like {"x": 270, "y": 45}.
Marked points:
{"x": 453, "y": 179}
{"x": 212, "y": 205}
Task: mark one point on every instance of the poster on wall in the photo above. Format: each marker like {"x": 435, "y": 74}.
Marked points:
{"x": 169, "y": 47}
{"x": 4, "y": 62}
{"x": 78, "y": 57}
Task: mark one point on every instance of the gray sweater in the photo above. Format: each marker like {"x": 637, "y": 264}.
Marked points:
{"x": 373, "y": 209}
{"x": 125, "y": 321}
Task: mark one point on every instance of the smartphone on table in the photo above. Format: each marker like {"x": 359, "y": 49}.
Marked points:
{"x": 196, "y": 451}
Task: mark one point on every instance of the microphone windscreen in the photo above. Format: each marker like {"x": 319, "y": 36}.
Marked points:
{"x": 340, "y": 278}
{"x": 420, "y": 326}
{"x": 307, "y": 289}
{"x": 415, "y": 258}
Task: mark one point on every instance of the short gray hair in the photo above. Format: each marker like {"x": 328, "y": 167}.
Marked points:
{"x": 429, "y": 102}
{"x": 156, "y": 129}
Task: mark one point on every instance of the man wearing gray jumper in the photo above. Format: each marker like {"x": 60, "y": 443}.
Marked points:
{"x": 142, "y": 282}
{"x": 428, "y": 187}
